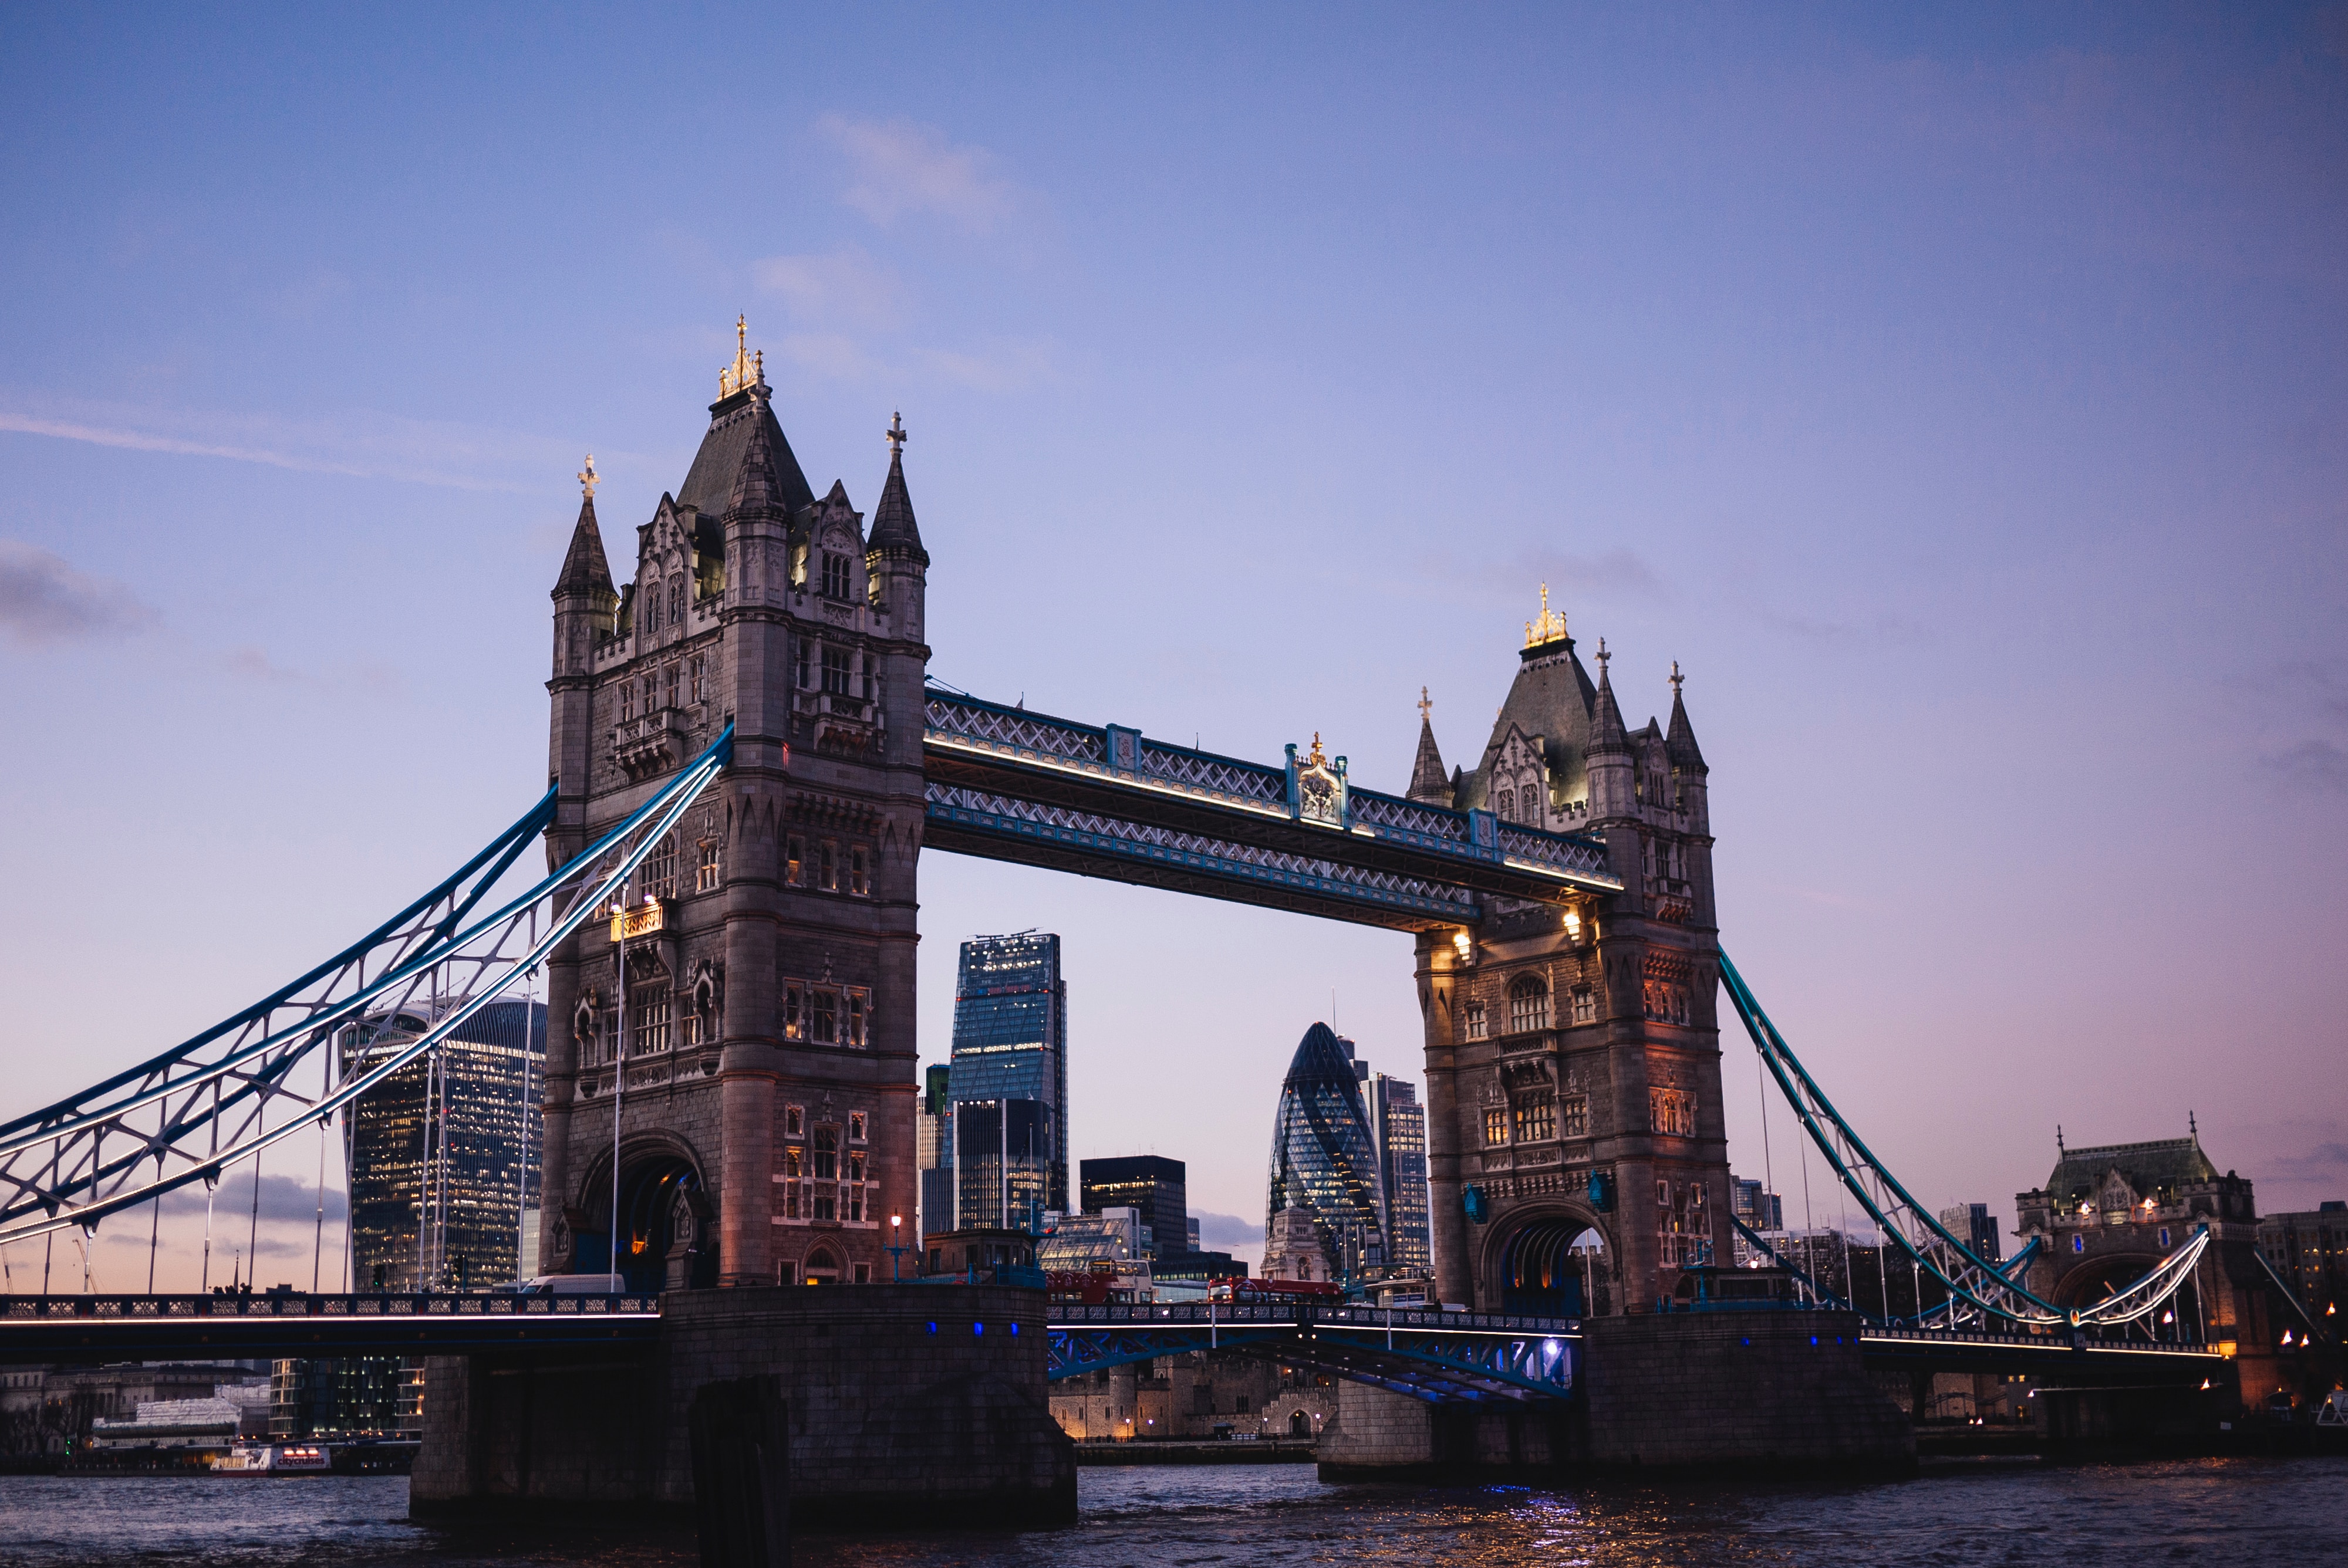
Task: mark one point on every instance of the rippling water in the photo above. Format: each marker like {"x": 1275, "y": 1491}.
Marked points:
{"x": 2234, "y": 1511}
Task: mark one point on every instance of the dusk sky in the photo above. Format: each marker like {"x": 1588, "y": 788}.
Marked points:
{"x": 1957, "y": 394}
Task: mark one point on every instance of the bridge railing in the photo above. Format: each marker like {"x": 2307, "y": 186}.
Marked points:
{"x": 2051, "y": 1341}
{"x": 153, "y": 1308}
{"x": 1229, "y": 1313}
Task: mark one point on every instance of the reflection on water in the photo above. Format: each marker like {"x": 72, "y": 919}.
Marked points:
{"x": 2216, "y": 1510}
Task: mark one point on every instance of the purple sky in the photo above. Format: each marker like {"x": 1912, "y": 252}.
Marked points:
{"x": 1960, "y": 399}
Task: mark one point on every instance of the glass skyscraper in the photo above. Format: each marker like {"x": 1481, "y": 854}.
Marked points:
{"x": 1323, "y": 1154}
{"x": 1156, "y": 1187}
{"x": 933, "y": 1149}
{"x": 1010, "y": 1082}
{"x": 1398, "y": 1122}
{"x": 444, "y": 1156}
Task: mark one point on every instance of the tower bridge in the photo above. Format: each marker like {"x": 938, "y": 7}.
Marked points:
{"x": 747, "y": 756}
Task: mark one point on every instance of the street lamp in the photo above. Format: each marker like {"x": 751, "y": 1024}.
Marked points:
{"x": 896, "y": 1247}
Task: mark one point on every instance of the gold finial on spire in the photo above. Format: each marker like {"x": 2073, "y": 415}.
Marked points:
{"x": 1549, "y": 628}
{"x": 746, "y": 371}
{"x": 1425, "y": 708}
{"x": 589, "y": 479}
{"x": 1317, "y": 759}
{"x": 896, "y": 434}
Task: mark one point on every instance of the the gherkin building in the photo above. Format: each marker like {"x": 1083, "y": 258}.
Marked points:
{"x": 1322, "y": 1152}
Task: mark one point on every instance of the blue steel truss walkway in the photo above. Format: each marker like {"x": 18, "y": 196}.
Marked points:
{"x": 1443, "y": 1358}
{"x": 113, "y": 1327}
{"x": 1106, "y": 800}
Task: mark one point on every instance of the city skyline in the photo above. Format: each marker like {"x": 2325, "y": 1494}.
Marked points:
{"x": 1956, "y": 404}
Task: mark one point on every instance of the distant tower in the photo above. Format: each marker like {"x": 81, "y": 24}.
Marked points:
{"x": 1398, "y": 1123}
{"x": 1324, "y": 1157}
{"x": 766, "y": 1124}
{"x": 1010, "y": 1081}
{"x": 1573, "y": 1062}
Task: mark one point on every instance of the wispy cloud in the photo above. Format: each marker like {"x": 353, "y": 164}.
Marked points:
{"x": 360, "y": 443}
{"x": 899, "y": 165}
{"x": 1618, "y": 570}
{"x": 845, "y": 286}
{"x": 44, "y": 600}
{"x": 1221, "y": 1231}
{"x": 2313, "y": 764}
{"x": 997, "y": 366}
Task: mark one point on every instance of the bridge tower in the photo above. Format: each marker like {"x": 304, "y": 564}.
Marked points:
{"x": 758, "y": 992}
{"x": 1573, "y": 1062}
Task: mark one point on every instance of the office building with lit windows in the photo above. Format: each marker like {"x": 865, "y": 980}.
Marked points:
{"x": 933, "y": 1149}
{"x": 1324, "y": 1159}
{"x": 1398, "y": 1124}
{"x": 1155, "y": 1187}
{"x": 443, "y": 1155}
{"x": 1009, "y": 1083}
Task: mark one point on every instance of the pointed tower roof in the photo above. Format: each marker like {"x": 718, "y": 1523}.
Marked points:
{"x": 1606, "y": 732}
{"x": 758, "y": 485}
{"x": 742, "y": 410}
{"x": 894, "y": 532}
{"x": 1428, "y": 782}
{"x": 1680, "y": 743}
{"x": 584, "y": 567}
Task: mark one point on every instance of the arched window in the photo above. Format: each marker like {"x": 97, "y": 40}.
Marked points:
{"x": 676, "y": 600}
{"x": 822, "y": 1267}
{"x": 652, "y": 608}
{"x": 1528, "y": 1004}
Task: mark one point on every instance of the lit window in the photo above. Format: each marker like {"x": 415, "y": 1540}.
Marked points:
{"x": 1585, "y": 1006}
{"x": 1575, "y": 1115}
{"x": 1673, "y": 1112}
{"x": 793, "y": 1119}
{"x": 648, "y": 1015}
{"x": 828, "y": 877}
{"x": 856, "y": 1126}
{"x": 1496, "y": 1125}
{"x": 1475, "y": 1020}
{"x": 1528, "y": 1004}
{"x": 659, "y": 870}
{"x": 856, "y": 1019}
{"x": 857, "y": 883}
{"x": 1536, "y": 1120}
{"x": 711, "y": 871}
{"x": 794, "y": 1015}
{"x": 794, "y": 861}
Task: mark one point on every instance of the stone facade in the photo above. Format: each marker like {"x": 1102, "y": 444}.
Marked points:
{"x": 906, "y": 1402}
{"x": 1188, "y": 1396}
{"x": 766, "y": 1126}
{"x": 1564, "y": 1049}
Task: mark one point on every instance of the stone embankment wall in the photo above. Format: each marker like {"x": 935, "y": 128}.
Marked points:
{"x": 1736, "y": 1391}
{"x": 906, "y": 1403}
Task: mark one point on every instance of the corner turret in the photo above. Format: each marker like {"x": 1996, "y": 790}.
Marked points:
{"x": 1428, "y": 783}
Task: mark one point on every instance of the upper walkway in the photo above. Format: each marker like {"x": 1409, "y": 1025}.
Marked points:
{"x": 1103, "y": 800}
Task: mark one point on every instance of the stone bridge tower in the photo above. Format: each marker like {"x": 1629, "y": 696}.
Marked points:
{"x": 762, "y": 1001}
{"x": 1573, "y": 1062}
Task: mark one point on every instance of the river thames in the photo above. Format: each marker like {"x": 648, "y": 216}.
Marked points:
{"x": 2190, "y": 1512}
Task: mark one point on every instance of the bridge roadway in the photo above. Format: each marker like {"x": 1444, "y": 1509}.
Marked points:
{"x": 48, "y": 1328}
{"x": 1440, "y": 1357}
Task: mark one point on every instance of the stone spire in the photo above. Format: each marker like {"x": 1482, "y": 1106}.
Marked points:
{"x": 1428, "y": 782}
{"x": 757, "y": 484}
{"x": 894, "y": 532}
{"x": 1679, "y": 744}
{"x": 1607, "y": 736}
{"x": 584, "y": 569}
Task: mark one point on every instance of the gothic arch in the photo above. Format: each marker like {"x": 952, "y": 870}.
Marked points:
{"x": 1525, "y": 1259}
{"x": 2099, "y": 1273}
